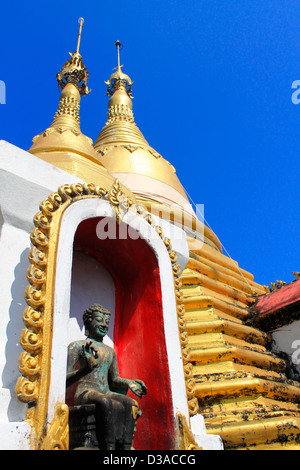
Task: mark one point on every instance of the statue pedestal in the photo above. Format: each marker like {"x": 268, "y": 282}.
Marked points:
{"x": 82, "y": 428}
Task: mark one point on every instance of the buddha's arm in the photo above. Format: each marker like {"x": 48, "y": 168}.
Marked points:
{"x": 74, "y": 353}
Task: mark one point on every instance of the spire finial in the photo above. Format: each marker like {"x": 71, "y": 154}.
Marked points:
{"x": 118, "y": 46}
{"x": 73, "y": 71}
{"x": 80, "y": 21}
{"x": 119, "y": 79}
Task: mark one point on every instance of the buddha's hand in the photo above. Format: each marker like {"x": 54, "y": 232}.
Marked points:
{"x": 138, "y": 387}
{"x": 90, "y": 356}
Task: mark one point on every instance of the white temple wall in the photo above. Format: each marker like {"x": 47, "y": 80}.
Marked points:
{"x": 25, "y": 182}
{"x": 287, "y": 339}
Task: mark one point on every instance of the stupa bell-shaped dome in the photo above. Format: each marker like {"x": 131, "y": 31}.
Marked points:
{"x": 126, "y": 154}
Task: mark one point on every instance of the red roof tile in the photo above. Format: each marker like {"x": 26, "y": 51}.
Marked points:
{"x": 283, "y": 297}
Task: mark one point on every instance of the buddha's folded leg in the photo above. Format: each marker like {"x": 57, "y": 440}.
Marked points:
{"x": 130, "y": 412}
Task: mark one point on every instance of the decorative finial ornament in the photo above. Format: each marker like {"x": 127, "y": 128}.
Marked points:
{"x": 119, "y": 79}
{"x": 73, "y": 71}
{"x": 118, "y": 46}
{"x": 80, "y": 21}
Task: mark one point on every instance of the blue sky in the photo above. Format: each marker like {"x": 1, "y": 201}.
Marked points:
{"x": 212, "y": 94}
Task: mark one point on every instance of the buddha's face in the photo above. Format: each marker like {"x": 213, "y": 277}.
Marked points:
{"x": 98, "y": 327}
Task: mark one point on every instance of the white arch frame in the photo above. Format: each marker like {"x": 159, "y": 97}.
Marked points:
{"x": 72, "y": 217}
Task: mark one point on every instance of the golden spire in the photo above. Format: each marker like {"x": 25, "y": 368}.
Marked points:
{"x": 80, "y": 21}
{"x": 73, "y": 71}
{"x": 119, "y": 79}
{"x": 72, "y": 81}
{"x": 63, "y": 144}
{"x": 121, "y": 146}
{"x": 120, "y": 125}
{"x": 118, "y": 45}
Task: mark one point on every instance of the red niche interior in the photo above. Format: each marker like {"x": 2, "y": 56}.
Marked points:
{"x": 139, "y": 331}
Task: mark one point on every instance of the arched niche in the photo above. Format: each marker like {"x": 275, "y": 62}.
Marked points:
{"x": 138, "y": 334}
{"x": 146, "y": 334}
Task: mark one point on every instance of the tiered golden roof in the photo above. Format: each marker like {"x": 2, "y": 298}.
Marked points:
{"x": 240, "y": 384}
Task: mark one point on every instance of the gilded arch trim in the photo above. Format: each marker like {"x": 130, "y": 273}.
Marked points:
{"x": 36, "y": 338}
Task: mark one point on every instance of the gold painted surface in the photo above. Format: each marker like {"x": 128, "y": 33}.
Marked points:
{"x": 57, "y": 437}
{"x": 186, "y": 437}
{"x": 240, "y": 385}
{"x": 119, "y": 200}
{"x": 63, "y": 144}
{"x": 128, "y": 158}
{"x": 185, "y": 220}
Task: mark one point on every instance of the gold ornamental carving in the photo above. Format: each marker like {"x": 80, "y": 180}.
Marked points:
{"x": 57, "y": 437}
{"x": 36, "y": 338}
{"x": 186, "y": 437}
{"x": 119, "y": 200}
